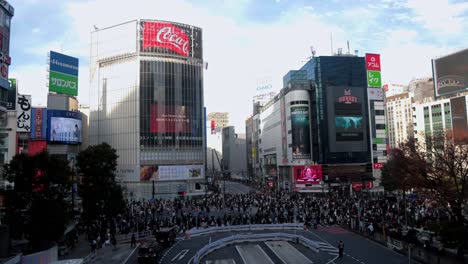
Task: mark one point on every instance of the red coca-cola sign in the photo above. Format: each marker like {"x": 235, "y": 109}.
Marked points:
{"x": 165, "y": 35}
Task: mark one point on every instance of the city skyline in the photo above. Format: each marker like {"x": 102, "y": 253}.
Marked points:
{"x": 245, "y": 42}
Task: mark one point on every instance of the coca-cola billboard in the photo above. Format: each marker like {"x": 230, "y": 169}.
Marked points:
{"x": 171, "y": 38}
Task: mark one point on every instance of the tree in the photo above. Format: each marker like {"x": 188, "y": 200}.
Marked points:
{"x": 37, "y": 206}
{"x": 99, "y": 191}
{"x": 439, "y": 169}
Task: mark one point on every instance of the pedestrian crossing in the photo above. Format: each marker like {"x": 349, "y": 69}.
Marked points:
{"x": 333, "y": 229}
{"x": 326, "y": 247}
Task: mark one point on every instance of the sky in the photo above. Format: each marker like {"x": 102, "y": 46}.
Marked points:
{"x": 246, "y": 43}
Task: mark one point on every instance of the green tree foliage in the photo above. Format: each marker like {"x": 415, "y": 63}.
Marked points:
{"x": 100, "y": 193}
{"x": 37, "y": 206}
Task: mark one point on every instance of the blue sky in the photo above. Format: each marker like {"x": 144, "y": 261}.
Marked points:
{"x": 245, "y": 42}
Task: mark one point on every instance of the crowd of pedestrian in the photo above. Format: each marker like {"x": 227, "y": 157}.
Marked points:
{"x": 364, "y": 214}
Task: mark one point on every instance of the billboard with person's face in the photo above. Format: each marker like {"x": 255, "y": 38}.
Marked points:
{"x": 171, "y": 173}
{"x": 300, "y": 128}
{"x": 64, "y": 127}
{"x": 308, "y": 174}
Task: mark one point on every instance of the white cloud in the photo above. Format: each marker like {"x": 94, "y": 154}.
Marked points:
{"x": 440, "y": 16}
{"x": 239, "y": 52}
{"x": 404, "y": 59}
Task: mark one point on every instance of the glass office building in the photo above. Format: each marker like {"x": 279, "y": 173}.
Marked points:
{"x": 147, "y": 103}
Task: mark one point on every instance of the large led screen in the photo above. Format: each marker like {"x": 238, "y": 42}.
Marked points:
{"x": 347, "y": 119}
{"x": 451, "y": 73}
{"x": 300, "y": 127}
{"x": 169, "y": 118}
{"x": 348, "y": 128}
{"x": 308, "y": 174}
{"x": 64, "y": 127}
{"x": 171, "y": 38}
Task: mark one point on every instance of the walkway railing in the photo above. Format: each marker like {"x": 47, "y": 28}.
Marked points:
{"x": 236, "y": 228}
{"x": 253, "y": 238}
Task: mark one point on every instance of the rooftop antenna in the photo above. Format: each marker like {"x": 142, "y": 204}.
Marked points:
{"x": 312, "y": 51}
{"x": 331, "y": 43}
{"x": 348, "y": 46}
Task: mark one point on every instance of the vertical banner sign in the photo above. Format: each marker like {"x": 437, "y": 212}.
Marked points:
{"x": 213, "y": 127}
{"x": 300, "y": 132}
{"x": 11, "y": 98}
{"x": 376, "y": 101}
{"x": 374, "y": 79}
{"x": 23, "y": 113}
{"x": 372, "y": 62}
{"x": 284, "y": 141}
{"x": 63, "y": 74}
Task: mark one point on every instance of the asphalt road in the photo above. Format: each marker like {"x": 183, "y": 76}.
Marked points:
{"x": 235, "y": 187}
{"x": 358, "y": 249}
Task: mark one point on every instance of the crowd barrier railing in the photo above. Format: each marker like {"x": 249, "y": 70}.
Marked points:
{"x": 234, "y": 228}
{"x": 253, "y": 238}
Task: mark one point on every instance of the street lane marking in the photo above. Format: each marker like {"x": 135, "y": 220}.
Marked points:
{"x": 287, "y": 253}
{"x": 180, "y": 256}
{"x": 253, "y": 254}
{"x": 221, "y": 261}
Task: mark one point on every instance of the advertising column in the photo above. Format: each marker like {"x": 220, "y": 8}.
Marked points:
{"x": 377, "y": 119}
{"x": 300, "y": 132}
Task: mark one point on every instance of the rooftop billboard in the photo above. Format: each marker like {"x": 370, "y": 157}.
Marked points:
{"x": 451, "y": 73}
{"x": 63, "y": 74}
{"x": 171, "y": 38}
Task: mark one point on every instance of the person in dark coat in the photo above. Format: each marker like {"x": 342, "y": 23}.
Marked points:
{"x": 340, "y": 249}
{"x": 133, "y": 242}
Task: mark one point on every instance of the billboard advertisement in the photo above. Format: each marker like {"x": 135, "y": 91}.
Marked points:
{"x": 451, "y": 73}
{"x": 300, "y": 127}
{"x": 64, "y": 127}
{"x": 36, "y": 146}
{"x": 63, "y": 74}
{"x": 375, "y": 94}
{"x": 372, "y": 62}
{"x": 169, "y": 118}
{"x": 349, "y": 128}
{"x": 38, "y": 124}
{"x": 308, "y": 174}
{"x": 11, "y": 97}
{"x": 459, "y": 119}
{"x": 171, "y": 173}
{"x": 374, "y": 79}
{"x": 346, "y": 107}
{"x": 171, "y": 38}
{"x": 23, "y": 113}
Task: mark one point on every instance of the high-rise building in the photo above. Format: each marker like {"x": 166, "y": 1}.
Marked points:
{"x": 218, "y": 121}
{"x": 315, "y": 133}
{"x": 146, "y": 101}
{"x": 399, "y": 118}
{"x": 234, "y": 160}
{"x": 7, "y": 91}
{"x": 422, "y": 90}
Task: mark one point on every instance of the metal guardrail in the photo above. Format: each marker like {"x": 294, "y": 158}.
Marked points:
{"x": 252, "y": 238}
{"x": 217, "y": 229}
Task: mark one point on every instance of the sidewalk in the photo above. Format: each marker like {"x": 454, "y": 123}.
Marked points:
{"x": 417, "y": 253}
